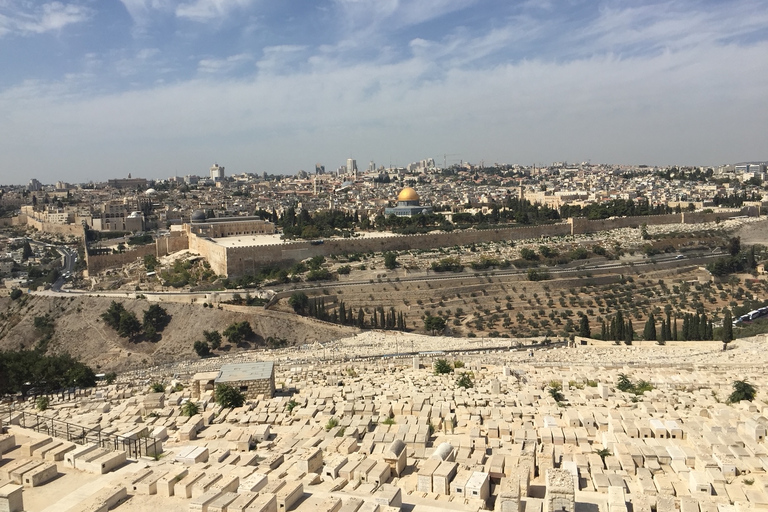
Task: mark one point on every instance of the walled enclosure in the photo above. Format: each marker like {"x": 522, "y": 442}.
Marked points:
{"x": 238, "y": 261}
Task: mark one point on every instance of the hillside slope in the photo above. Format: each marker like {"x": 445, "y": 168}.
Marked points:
{"x": 79, "y": 330}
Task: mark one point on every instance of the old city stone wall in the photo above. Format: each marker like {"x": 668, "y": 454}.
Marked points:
{"x": 162, "y": 247}
{"x": 581, "y": 225}
{"x": 56, "y": 229}
{"x": 238, "y": 261}
{"x": 245, "y": 260}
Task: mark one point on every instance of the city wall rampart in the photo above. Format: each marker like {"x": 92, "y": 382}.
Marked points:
{"x": 162, "y": 247}
{"x": 56, "y": 229}
{"x": 238, "y": 261}
{"x": 246, "y": 260}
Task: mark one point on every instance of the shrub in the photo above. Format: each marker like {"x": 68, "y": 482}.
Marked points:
{"x": 110, "y": 377}
{"x": 42, "y": 403}
{"x": 465, "y": 380}
{"x": 291, "y": 405}
{"x": 189, "y": 408}
{"x": 332, "y": 423}
{"x": 742, "y": 390}
{"x": 389, "y": 420}
{"x": 156, "y": 387}
{"x": 458, "y": 364}
{"x": 16, "y": 293}
{"x": 229, "y": 397}
{"x": 442, "y": 366}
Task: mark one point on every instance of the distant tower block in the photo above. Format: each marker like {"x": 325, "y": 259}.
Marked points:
{"x": 560, "y": 495}
{"x": 217, "y": 172}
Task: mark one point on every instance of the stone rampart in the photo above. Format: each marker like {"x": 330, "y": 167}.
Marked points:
{"x": 238, "y": 261}
{"x": 56, "y": 229}
{"x": 246, "y": 260}
{"x": 162, "y": 246}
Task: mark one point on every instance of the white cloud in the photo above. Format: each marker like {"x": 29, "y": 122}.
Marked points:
{"x": 365, "y": 14}
{"x": 222, "y": 66}
{"x": 48, "y": 17}
{"x": 142, "y": 61}
{"x": 639, "y": 85}
{"x": 674, "y": 107}
{"x": 207, "y": 10}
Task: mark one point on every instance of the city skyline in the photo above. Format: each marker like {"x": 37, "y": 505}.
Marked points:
{"x": 97, "y": 90}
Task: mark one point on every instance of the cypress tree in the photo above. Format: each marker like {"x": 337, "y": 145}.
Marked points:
{"x": 649, "y": 333}
{"x": 620, "y": 326}
{"x": 629, "y": 332}
{"x": 584, "y": 327}
{"x": 727, "y": 329}
{"x": 674, "y": 330}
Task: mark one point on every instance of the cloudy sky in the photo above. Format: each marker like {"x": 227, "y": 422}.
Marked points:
{"x": 97, "y": 89}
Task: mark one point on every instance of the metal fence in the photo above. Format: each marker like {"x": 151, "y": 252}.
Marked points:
{"x": 134, "y": 446}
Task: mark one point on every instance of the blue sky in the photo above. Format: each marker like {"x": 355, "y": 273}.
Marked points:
{"x": 96, "y": 89}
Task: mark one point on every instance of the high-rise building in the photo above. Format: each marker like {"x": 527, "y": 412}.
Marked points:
{"x": 351, "y": 166}
{"x": 34, "y": 185}
{"x": 217, "y": 172}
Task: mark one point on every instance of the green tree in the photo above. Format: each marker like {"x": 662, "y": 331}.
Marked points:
{"x": 155, "y": 319}
{"x": 111, "y": 316}
{"x": 213, "y": 338}
{"x": 299, "y": 302}
{"x": 26, "y": 251}
{"x": 110, "y": 377}
{"x": 390, "y": 260}
{"x": 129, "y": 326}
{"x": 584, "y": 329}
{"x": 434, "y": 324}
{"x": 202, "y": 348}
{"x": 157, "y": 387}
{"x": 603, "y": 453}
{"x": 238, "y": 331}
{"x": 151, "y": 262}
{"x": 16, "y": 294}
{"x": 624, "y": 384}
{"x": 228, "y": 397}
{"x": 649, "y": 333}
{"x": 727, "y": 329}
{"x": 742, "y": 390}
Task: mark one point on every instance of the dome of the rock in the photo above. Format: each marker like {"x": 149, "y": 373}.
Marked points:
{"x": 408, "y": 194}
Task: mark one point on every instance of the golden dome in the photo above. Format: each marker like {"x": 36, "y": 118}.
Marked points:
{"x": 408, "y": 194}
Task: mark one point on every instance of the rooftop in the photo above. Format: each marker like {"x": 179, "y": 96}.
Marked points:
{"x": 245, "y": 371}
